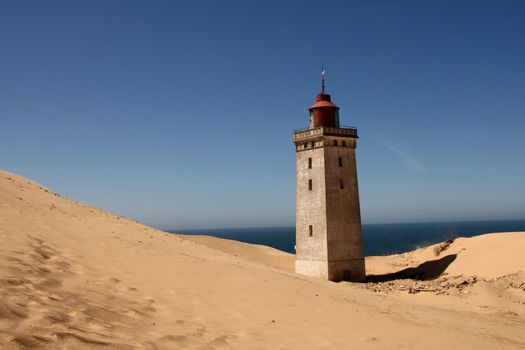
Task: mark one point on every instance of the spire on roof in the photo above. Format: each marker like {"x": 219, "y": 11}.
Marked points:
{"x": 322, "y": 79}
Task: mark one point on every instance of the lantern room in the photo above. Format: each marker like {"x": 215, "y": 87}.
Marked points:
{"x": 324, "y": 112}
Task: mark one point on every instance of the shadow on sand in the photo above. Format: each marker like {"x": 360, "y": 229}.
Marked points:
{"x": 425, "y": 271}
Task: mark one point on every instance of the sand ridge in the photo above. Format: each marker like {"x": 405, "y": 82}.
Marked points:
{"x": 73, "y": 277}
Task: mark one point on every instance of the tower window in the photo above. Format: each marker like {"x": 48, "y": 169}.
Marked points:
{"x": 341, "y": 184}
{"x": 309, "y": 163}
{"x": 344, "y": 143}
{"x": 335, "y": 142}
{"x": 310, "y": 184}
{"x": 310, "y": 231}
{"x": 340, "y": 162}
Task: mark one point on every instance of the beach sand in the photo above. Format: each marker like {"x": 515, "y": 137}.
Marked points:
{"x": 75, "y": 277}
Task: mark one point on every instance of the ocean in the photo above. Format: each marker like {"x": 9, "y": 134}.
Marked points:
{"x": 379, "y": 239}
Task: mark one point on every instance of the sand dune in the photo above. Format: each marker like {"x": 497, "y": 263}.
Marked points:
{"x": 489, "y": 256}
{"x": 252, "y": 252}
{"x": 73, "y": 277}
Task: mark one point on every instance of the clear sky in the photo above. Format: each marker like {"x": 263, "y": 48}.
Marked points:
{"x": 180, "y": 113}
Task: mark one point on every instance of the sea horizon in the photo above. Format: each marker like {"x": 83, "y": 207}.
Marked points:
{"x": 379, "y": 238}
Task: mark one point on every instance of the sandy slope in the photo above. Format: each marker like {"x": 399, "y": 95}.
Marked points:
{"x": 72, "y": 277}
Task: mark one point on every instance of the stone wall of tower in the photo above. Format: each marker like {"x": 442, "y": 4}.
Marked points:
{"x": 311, "y": 251}
{"x": 335, "y": 249}
{"x": 343, "y": 215}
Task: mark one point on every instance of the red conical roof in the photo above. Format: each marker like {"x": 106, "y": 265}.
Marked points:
{"x": 323, "y": 100}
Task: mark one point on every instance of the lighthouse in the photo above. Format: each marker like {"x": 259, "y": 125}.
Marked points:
{"x": 329, "y": 242}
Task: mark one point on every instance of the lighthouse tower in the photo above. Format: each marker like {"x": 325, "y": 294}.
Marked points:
{"x": 329, "y": 242}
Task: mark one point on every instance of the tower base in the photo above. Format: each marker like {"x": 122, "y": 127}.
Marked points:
{"x": 344, "y": 270}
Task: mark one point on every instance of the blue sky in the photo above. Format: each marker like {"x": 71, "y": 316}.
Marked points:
{"x": 180, "y": 113}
